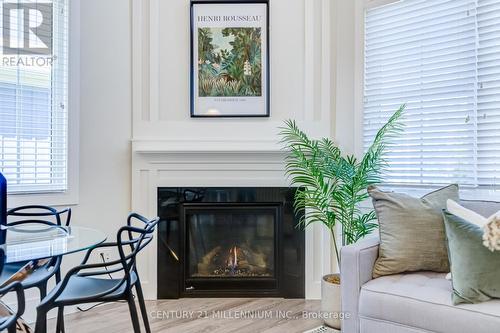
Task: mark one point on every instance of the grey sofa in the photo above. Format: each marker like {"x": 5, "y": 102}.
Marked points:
{"x": 408, "y": 303}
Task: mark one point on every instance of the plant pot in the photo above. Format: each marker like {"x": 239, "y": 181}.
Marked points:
{"x": 330, "y": 300}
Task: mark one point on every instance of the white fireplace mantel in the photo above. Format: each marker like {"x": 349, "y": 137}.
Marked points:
{"x": 205, "y": 145}
{"x": 154, "y": 169}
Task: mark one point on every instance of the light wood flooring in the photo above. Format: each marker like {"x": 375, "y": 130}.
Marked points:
{"x": 202, "y": 316}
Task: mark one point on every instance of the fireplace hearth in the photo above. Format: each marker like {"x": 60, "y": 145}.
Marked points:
{"x": 229, "y": 242}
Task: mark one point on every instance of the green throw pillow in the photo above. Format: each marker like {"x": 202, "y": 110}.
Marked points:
{"x": 412, "y": 236}
{"x": 475, "y": 270}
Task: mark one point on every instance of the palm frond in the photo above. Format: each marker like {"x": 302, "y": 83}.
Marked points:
{"x": 330, "y": 185}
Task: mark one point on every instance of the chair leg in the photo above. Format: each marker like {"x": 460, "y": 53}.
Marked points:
{"x": 12, "y": 328}
{"x": 43, "y": 290}
{"x": 60, "y": 310}
{"x": 142, "y": 305}
{"x": 41, "y": 321}
{"x": 60, "y": 320}
{"x": 58, "y": 276}
{"x": 133, "y": 313}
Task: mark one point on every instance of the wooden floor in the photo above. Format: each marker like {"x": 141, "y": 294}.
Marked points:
{"x": 202, "y": 316}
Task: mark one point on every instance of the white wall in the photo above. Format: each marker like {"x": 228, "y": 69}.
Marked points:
{"x": 344, "y": 79}
{"x": 105, "y": 114}
{"x": 346, "y": 115}
{"x": 105, "y": 118}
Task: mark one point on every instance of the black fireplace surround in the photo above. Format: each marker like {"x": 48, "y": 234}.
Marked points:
{"x": 229, "y": 242}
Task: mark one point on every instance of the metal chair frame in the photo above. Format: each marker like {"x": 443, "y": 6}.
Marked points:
{"x": 128, "y": 236}
{"x": 9, "y": 323}
{"x": 34, "y": 214}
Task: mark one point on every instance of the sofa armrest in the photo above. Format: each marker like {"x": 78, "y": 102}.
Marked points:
{"x": 357, "y": 261}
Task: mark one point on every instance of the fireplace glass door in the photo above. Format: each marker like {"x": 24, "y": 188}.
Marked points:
{"x": 230, "y": 242}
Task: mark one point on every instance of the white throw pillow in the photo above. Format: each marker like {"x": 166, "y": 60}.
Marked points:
{"x": 466, "y": 214}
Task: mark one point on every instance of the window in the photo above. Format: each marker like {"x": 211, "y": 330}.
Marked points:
{"x": 441, "y": 58}
{"x": 33, "y": 95}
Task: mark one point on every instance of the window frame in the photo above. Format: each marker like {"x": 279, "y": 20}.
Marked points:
{"x": 469, "y": 193}
{"x": 71, "y": 195}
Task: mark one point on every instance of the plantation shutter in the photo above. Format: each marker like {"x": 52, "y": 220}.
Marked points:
{"x": 33, "y": 99}
{"x": 441, "y": 58}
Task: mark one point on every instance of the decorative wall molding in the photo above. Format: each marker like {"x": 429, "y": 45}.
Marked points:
{"x": 170, "y": 149}
{"x": 300, "y": 72}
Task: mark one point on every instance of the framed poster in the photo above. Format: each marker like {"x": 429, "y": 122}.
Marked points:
{"x": 230, "y": 58}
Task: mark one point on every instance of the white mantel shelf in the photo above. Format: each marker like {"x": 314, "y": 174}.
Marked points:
{"x": 205, "y": 146}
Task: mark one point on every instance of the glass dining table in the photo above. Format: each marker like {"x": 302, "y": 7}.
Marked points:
{"x": 36, "y": 241}
{"x": 35, "y": 244}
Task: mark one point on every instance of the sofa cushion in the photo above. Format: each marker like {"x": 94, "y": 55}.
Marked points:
{"x": 475, "y": 269}
{"x": 422, "y": 300}
{"x": 412, "y": 236}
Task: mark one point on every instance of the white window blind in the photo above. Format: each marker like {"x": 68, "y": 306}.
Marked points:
{"x": 33, "y": 98}
{"x": 488, "y": 95}
{"x": 441, "y": 58}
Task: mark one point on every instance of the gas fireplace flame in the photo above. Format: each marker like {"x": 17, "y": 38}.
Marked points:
{"x": 233, "y": 258}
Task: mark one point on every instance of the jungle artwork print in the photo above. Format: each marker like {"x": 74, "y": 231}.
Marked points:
{"x": 229, "y": 72}
{"x": 229, "y": 62}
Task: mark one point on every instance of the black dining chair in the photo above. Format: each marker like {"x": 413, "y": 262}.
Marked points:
{"x": 8, "y": 322}
{"x": 86, "y": 283}
{"x": 43, "y": 215}
{"x": 37, "y": 215}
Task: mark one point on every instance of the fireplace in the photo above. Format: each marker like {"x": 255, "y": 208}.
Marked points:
{"x": 229, "y": 242}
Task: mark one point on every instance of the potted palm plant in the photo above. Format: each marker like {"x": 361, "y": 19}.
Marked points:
{"x": 331, "y": 185}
